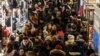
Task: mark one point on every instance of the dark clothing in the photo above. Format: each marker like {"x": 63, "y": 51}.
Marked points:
{"x": 71, "y": 48}
{"x": 8, "y": 22}
{"x": 0, "y": 32}
{"x": 82, "y": 47}
{"x": 14, "y": 4}
{"x": 75, "y": 33}
{"x": 28, "y": 47}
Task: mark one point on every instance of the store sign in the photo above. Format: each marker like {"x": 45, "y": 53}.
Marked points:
{"x": 93, "y": 1}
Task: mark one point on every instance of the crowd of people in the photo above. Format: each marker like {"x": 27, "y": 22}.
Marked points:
{"x": 53, "y": 28}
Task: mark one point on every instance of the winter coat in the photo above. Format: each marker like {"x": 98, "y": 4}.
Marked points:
{"x": 28, "y": 47}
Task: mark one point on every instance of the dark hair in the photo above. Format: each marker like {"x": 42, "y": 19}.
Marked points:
{"x": 90, "y": 51}
{"x": 12, "y": 38}
{"x": 21, "y": 36}
{"x": 25, "y": 38}
{"x": 10, "y": 47}
{"x": 23, "y": 49}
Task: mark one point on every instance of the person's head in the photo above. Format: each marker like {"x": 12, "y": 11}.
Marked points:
{"x": 54, "y": 38}
{"x": 9, "y": 47}
{"x": 74, "y": 27}
{"x": 49, "y": 26}
{"x": 56, "y": 9}
{"x": 54, "y": 27}
{"x": 36, "y": 41}
{"x": 5, "y": 27}
{"x": 21, "y": 37}
{"x": 36, "y": 5}
{"x": 25, "y": 41}
{"x": 79, "y": 37}
{"x": 40, "y": 32}
{"x": 58, "y": 46}
{"x": 31, "y": 17}
{"x": 12, "y": 38}
{"x": 39, "y": 3}
{"x": 21, "y": 52}
{"x": 71, "y": 39}
{"x": 35, "y": 16}
{"x": 27, "y": 25}
{"x": 58, "y": 14}
{"x": 48, "y": 38}
{"x": 91, "y": 52}
{"x": 31, "y": 53}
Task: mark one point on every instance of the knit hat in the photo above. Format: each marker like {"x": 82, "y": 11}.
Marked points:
{"x": 70, "y": 40}
{"x": 71, "y": 37}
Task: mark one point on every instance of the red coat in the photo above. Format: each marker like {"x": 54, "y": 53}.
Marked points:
{"x": 5, "y": 32}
